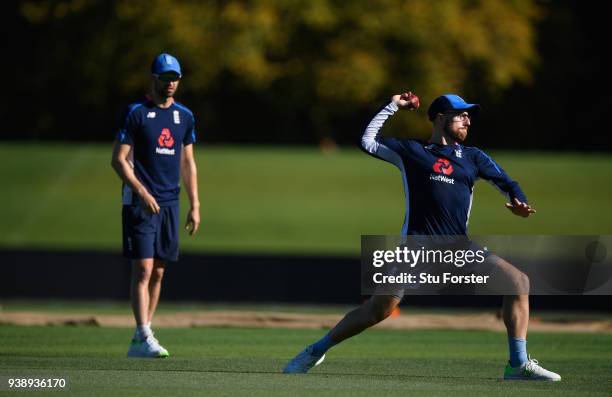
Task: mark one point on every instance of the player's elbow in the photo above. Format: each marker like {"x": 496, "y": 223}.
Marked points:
{"x": 368, "y": 143}
{"x": 115, "y": 163}
{"x": 364, "y": 141}
{"x": 118, "y": 165}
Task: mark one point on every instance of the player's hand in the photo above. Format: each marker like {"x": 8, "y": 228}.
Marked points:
{"x": 407, "y": 100}
{"x": 519, "y": 208}
{"x": 149, "y": 203}
{"x": 193, "y": 221}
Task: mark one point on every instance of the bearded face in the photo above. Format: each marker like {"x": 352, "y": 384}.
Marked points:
{"x": 456, "y": 125}
{"x": 165, "y": 85}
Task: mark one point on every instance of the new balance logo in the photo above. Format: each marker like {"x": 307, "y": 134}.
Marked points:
{"x": 151, "y": 115}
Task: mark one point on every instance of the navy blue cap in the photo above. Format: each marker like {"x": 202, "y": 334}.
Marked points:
{"x": 450, "y": 102}
{"x": 165, "y": 63}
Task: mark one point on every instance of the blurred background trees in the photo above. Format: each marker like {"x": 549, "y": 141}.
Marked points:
{"x": 300, "y": 71}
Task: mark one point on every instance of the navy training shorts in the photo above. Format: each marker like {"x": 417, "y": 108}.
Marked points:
{"x": 147, "y": 235}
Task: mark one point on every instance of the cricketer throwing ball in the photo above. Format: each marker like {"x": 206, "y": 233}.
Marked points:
{"x": 435, "y": 206}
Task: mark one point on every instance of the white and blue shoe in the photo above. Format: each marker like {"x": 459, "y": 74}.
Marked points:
{"x": 148, "y": 347}
{"x": 530, "y": 370}
{"x": 303, "y": 362}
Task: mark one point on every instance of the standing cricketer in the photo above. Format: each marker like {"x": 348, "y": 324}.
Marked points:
{"x": 154, "y": 146}
{"x": 440, "y": 206}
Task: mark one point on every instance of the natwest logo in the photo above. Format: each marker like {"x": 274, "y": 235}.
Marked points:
{"x": 165, "y": 138}
{"x": 165, "y": 142}
{"x": 443, "y": 166}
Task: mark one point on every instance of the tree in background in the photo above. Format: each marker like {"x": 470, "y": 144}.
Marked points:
{"x": 300, "y": 70}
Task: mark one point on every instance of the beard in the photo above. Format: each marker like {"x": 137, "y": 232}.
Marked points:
{"x": 163, "y": 92}
{"x": 456, "y": 135}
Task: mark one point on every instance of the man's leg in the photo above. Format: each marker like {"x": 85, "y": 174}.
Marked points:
{"x": 373, "y": 311}
{"x": 515, "y": 308}
{"x": 165, "y": 246}
{"x": 143, "y": 345}
{"x": 155, "y": 282}
{"x": 516, "y": 315}
{"x": 516, "y": 304}
{"x": 139, "y": 289}
{"x": 515, "y": 311}
{"x": 157, "y": 274}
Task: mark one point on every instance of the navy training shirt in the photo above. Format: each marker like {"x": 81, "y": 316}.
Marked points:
{"x": 156, "y": 136}
{"x": 438, "y": 179}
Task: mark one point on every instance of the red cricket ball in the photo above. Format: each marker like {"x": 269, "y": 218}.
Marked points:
{"x": 413, "y": 100}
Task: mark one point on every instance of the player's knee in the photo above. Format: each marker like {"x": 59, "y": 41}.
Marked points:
{"x": 380, "y": 311}
{"x": 157, "y": 274}
{"x": 523, "y": 283}
{"x": 519, "y": 283}
{"x": 382, "y": 314}
{"x": 141, "y": 274}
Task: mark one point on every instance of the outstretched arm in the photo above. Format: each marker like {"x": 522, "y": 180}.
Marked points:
{"x": 386, "y": 149}
{"x": 492, "y": 172}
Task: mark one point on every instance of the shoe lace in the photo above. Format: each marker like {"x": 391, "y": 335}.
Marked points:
{"x": 532, "y": 364}
{"x": 152, "y": 341}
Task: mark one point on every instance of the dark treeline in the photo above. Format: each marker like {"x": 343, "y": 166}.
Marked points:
{"x": 287, "y": 72}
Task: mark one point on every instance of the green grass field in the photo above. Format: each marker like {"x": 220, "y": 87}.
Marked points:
{"x": 247, "y": 362}
{"x": 282, "y": 200}
{"x": 101, "y": 307}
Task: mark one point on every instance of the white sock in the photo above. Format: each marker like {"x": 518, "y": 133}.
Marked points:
{"x": 143, "y": 331}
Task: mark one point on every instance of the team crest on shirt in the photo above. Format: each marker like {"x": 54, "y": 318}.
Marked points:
{"x": 165, "y": 142}
{"x": 175, "y": 115}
